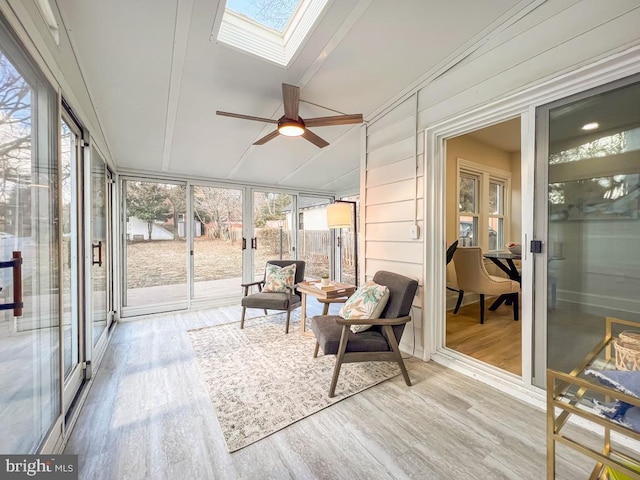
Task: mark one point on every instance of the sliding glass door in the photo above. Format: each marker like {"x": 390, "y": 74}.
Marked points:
{"x": 30, "y": 378}
{"x": 589, "y": 175}
{"x": 99, "y": 248}
{"x": 347, "y": 244}
{"x": 217, "y": 242}
{"x": 154, "y": 246}
{"x": 72, "y": 331}
{"x": 314, "y": 236}
{"x": 273, "y": 229}
{"x": 186, "y": 243}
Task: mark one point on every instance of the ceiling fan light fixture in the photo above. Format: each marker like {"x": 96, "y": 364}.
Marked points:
{"x": 290, "y": 128}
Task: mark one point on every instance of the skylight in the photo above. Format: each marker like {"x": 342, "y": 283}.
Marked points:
{"x": 271, "y": 29}
{"x": 269, "y": 13}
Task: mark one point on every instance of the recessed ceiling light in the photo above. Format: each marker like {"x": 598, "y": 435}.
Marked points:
{"x": 590, "y": 126}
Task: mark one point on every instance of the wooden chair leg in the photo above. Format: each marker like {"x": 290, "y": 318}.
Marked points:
{"x": 339, "y": 357}
{"x": 244, "y": 309}
{"x": 391, "y": 337}
{"x": 315, "y": 350}
{"x": 481, "y": 308}
{"x": 459, "y": 302}
{"x": 286, "y": 327}
{"x": 516, "y": 309}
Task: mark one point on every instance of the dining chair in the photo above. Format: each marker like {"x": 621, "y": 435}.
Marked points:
{"x": 286, "y": 298}
{"x": 472, "y": 276}
{"x": 452, "y": 279}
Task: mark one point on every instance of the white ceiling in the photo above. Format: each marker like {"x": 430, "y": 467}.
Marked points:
{"x": 156, "y": 77}
{"x": 505, "y": 135}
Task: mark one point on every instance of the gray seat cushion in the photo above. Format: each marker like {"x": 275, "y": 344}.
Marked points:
{"x": 270, "y": 301}
{"x": 328, "y": 332}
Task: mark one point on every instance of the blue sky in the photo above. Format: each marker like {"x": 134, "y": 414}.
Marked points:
{"x": 271, "y": 13}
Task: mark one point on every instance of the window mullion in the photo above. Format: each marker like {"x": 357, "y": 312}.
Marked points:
{"x": 483, "y": 221}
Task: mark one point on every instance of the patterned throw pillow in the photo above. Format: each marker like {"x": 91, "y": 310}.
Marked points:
{"x": 367, "y": 303}
{"x": 278, "y": 278}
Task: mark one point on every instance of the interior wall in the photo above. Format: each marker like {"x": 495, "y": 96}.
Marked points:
{"x": 473, "y": 150}
{"x": 557, "y": 37}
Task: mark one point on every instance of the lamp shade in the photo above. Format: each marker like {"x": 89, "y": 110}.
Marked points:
{"x": 339, "y": 215}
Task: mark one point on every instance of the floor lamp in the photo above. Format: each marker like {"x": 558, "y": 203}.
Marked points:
{"x": 339, "y": 216}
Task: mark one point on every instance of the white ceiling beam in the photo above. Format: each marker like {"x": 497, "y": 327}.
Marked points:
{"x": 180, "y": 42}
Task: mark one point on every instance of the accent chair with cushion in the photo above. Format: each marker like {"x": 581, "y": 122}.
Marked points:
{"x": 277, "y": 290}
{"x": 472, "y": 276}
{"x": 377, "y": 343}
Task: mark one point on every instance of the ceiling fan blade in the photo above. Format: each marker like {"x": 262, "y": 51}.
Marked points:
{"x": 335, "y": 120}
{"x": 266, "y": 138}
{"x": 245, "y": 117}
{"x": 291, "y": 100}
{"x": 315, "y": 139}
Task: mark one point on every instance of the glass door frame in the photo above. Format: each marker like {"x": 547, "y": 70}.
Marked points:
{"x": 249, "y": 259}
{"x": 434, "y": 208}
{"x": 95, "y": 350}
{"x": 189, "y": 225}
{"x": 73, "y": 382}
{"x": 248, "y": 229}
{"x": 175, "y": 305}
{"x": 541, "y": 226}
{"x": 524, "y": 104}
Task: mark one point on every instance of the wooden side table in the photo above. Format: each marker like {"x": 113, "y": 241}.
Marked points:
{"x": 335, "y": 292}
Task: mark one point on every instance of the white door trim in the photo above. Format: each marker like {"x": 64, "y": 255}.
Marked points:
{"x": 522, "y": 104}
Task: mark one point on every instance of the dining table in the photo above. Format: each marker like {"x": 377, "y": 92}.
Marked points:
{"x": 505, "y": 262}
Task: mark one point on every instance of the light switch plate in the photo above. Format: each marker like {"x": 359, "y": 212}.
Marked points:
{"x": 414, "y": 232}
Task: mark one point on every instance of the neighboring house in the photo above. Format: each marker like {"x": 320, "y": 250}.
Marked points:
{"x": 311, "y": 214}
{"x": 139, "y": 230}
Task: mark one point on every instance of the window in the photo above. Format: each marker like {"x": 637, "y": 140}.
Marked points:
{"x": 29, "y": 224}
{"x": 272, "y": 14}
{"x": 271, "y": 29}
{"x": 483, "y": 200}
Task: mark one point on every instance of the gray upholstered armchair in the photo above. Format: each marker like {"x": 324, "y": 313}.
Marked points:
{"x": 274, "y": 300}
{"x": 380, "y": 342}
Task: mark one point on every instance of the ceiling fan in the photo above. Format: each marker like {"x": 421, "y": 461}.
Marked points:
{"x": 291, "y": 125}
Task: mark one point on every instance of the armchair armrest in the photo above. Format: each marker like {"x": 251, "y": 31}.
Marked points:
{"x": 292, "y": 288}
{"x": 376, "y": 321}
{"x": 246, "y": 286}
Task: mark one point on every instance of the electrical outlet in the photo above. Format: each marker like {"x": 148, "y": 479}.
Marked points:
{"x": 414, "y": 232}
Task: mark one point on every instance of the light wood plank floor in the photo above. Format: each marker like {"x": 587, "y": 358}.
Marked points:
{"x": 148, "y": 416}
{"x": 497, "y": 342}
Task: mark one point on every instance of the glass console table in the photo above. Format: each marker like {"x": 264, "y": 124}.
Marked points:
{"x": 574, "y": 393}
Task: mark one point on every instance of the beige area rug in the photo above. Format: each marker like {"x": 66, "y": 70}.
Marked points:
{"x": 261, "y": 380}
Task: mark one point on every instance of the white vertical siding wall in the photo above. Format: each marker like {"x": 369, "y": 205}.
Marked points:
{"x": 558, "y": 37}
